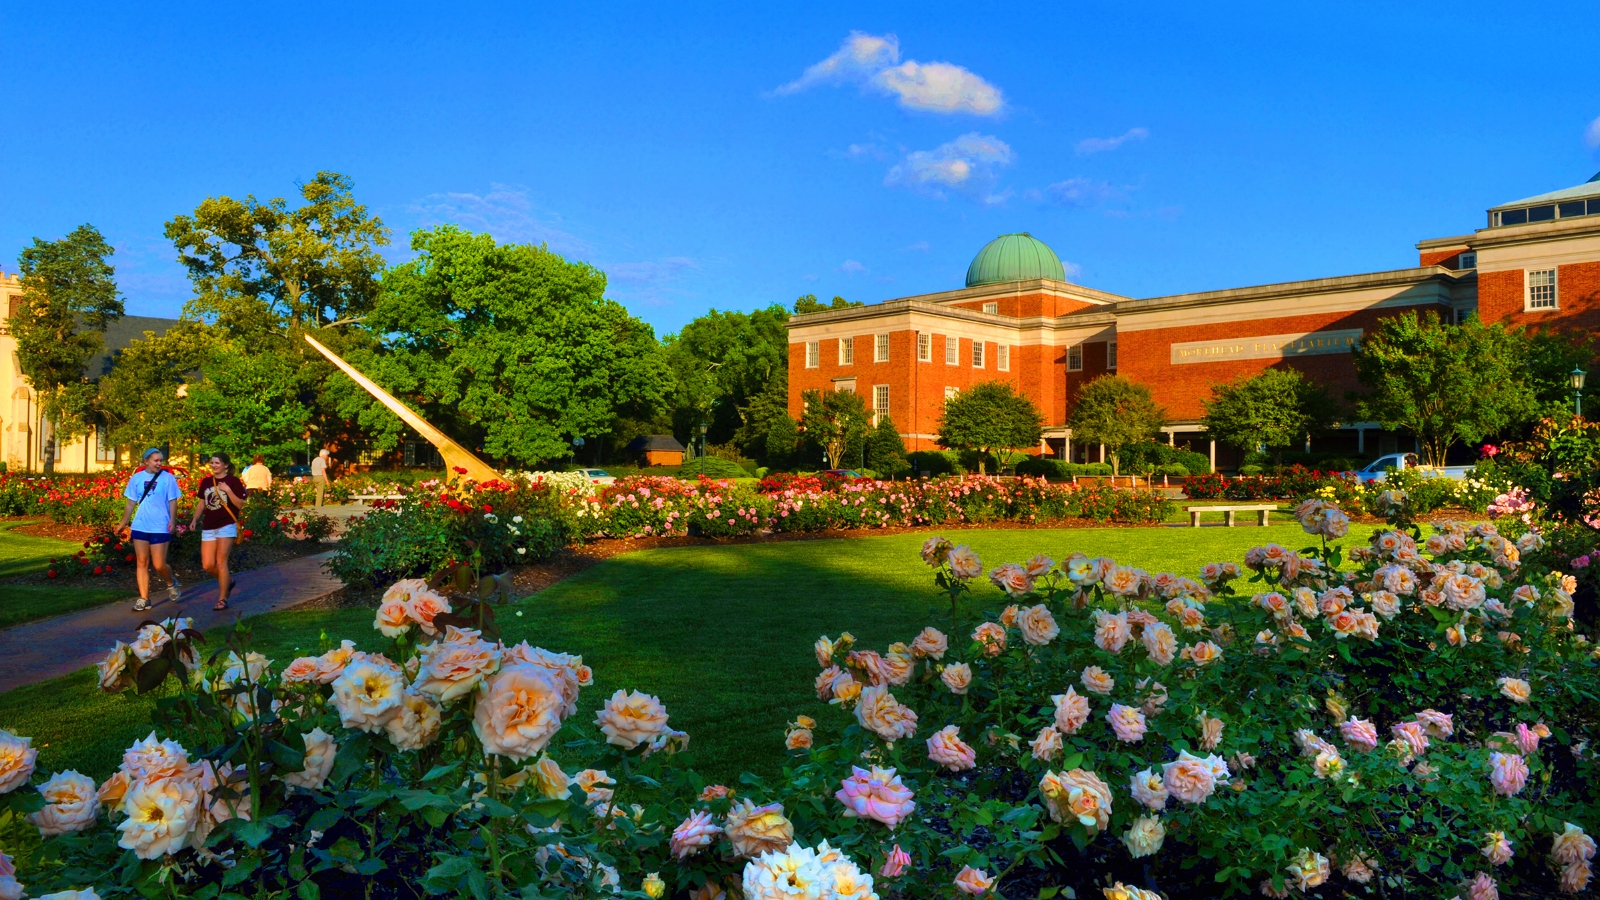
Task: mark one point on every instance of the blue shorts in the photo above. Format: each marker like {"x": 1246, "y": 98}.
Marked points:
{"x": 152, "y": 537}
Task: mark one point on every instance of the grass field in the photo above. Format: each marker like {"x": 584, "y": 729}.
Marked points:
{"x": 23, "y": 554}
{"x": 722, "y": 634}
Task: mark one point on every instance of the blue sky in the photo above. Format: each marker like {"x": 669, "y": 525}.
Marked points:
{"x": 739, "y": 155}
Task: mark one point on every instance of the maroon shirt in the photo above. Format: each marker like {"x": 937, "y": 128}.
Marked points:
{"x": 216, "y": 504}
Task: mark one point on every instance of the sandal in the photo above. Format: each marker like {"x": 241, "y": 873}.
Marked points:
{"x": 221, "y": 605}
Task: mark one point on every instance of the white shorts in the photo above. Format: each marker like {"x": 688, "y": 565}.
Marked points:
{"x": 226, "y": 531}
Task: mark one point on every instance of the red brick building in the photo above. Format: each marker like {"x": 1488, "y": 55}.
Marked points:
{"x": 1537, "y": 262}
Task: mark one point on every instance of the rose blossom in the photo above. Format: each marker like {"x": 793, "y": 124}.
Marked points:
{"x": 798, "y": 738}
{"x": 424, "y": 606}
{"x": 453, "y": 667}
{"x": 896, "y": 863}
{"x": 631, "y": 719}
{"x": 1210, "y": 731}
{"x": 331, "y": 665}
{"x": 1328, "y": 763}
{"x": 1189, "y": 778}
{"x": 154, "y": 760}
{"x": 321, "y": 750}
{"x": 1437, "y": 724}
{"x": 1159, "y": 642}
{"x": 17, "y": 758}
{"x": 1078, "y": 794}
{"x": 880, "y": 713}
{"x": 1413, "y": 734}
{"x": 151, "y": 641}
{"x": 1038, "y": 627}
{"x": 113, "y": 669}
{"x": 1144, "y": 836}
{"x": 877, "y": 794}
{"x": 1496, "y": 848}
{"x": 1508, "y": 773}
{"x": 1482, "y": 887}
{"x": 1571, "y": 846}
{"x": 1013, "y": 579}
{"x": 1124, "y": 581}
{"x": 1096, "y": 680}
{"x": 992, "y": 636}
{"x": 10, "y": 888}
{"x": 694, "y": 834}
{"x": 964, "y": 564}
{"x": 1111, "y": 632}
{"x": 1126, "y": 722}
{"x": 973, "y": 882}
{"x": 1514, "y": 689}
{"x": 935, "y": 550}
{"x": 416, "y": 723}
{"x": 754, "y": 830}
{"x": 160, "y": 815}
{"x": 1309, "y": 868}
{"x": 1148, "y": 789}
{"x": 930, "y": 643}
{"x": 1072, "y": 710}
{"x": 1357, "y": 869}
{"x": 302, "y": 670}
{"x": 947, "y": 749}
{"x": 367, "y": 695}
{"x": 1360, "y": 734}
{"x": 1047, "y": 745}
{"x": 71, "y": 804}
{"x": 518, "y": 712}
{"x": 957, "y": 677}
{"x": 1202, "y": 653}
{"x": 392, "y": 619}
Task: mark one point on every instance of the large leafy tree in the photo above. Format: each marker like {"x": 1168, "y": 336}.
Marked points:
{"x": 1444, "y": 383}
{"x": 835, "y": 421}
{"x": 990, "y": 417}
{"x": 722, "y": 364}
{"x": 69, "y": 296}
{"x": 1114, "y": 411}
{"x": 246, "y": 403}
{"x": 1276, "y": 409}
{"x": 144, "y": 395}
{"x": 511, "y": 347}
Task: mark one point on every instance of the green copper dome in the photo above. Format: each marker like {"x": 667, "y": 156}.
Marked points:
{"x": 1015, "y": 257}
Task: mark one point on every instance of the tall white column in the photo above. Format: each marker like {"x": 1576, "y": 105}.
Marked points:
{"x": 1213, "y": 457}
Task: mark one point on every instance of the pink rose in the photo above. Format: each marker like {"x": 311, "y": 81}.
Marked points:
{"x": 1189, "y": 778}
{"x": 973, "y": 882}
{"x": 1111, "y": 632}
{"x": 694, "y": 834}
{"x": 878, "y": 795}
{"x": 1360, "y": 734}
{"x": 896, "y": 864}
{"x": 1126, "y": 722}
{"x": 1097, "y": 681}
{"x": 947, "y": 749}
{"x": 1508, "y": 773}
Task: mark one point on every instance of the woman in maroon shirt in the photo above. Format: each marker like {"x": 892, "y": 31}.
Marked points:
{"x": 217, "y": 516}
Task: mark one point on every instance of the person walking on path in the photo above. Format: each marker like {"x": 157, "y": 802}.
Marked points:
{"x": 152, "y": 512}
{"x": 319, "y": 474}
{"x": 217, "y": 516}
{"x": 256, "y": 476}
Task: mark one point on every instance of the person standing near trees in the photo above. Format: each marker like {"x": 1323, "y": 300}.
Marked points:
{"x": 217, "y": 516}
{"x": 319, "y": 474}
{"x": 152, "y": 512}
{"x": 256, "y": 476}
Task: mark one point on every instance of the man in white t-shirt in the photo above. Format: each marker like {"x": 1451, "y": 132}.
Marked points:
{"x": 319, "y": 474}
{"x": 152, "y": 510}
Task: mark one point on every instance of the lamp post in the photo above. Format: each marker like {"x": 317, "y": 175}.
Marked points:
{"x": 702, "y": 448}
{"x": 1577, "y": 390}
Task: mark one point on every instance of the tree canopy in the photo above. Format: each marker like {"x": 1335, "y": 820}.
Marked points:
{"x": 990, "y": 418}
{"x": 1276, "y": 409}
{"x": 1444, "y": 383}
{"x": 1114, "y": 411}
{"x": 722, "y": 364}
{"x": 810, "y": 304}
{"x": 835, "y": 421}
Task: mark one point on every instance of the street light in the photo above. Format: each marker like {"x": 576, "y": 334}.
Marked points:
{"x": 702, "y": 448}
{"x": 1577, "y": 389}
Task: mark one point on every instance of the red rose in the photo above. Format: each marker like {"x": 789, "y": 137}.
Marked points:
{"x": 86, "y": 543}
{"x": 128, "y": 558}
{"x": 248, "y": 532}
{"x": 487, "y": 508}
{"x": 51, "y": 573}
{"x": 98, "y": 570}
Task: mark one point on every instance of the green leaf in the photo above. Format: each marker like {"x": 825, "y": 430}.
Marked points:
{"x": 152, "y": 673}
{"x": 241, "y": 870}
{"x": 308, "y": 890}
{"x": 286, "y": 757}
{"x": 451, "y": 868}
{"x": 254, "y": 834}
{"x": 440, "y": 771}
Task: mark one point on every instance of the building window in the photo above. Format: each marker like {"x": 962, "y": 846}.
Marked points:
{"x": 1002, "y": 357}
{"x": 952, "y": 351}
{"x": 977, "y": 354}
{"x": 924, "y": 347}
{"x": 103, "y": 450}
{"x": 1468, "y": 260}
{"x": 950, "y": 392}
{"x": 813, "y": 354}
{"x": 848, "y": 386}
{"x": 1075, "y": 358}
{"x": 992, "y": 308}
{"x": 1541, "y": 289}
{"x": 881, "y": 350}
{"x": 880, "y": 399}
{"x": 847, "y": 351}
{"x": 1111, "y": 355}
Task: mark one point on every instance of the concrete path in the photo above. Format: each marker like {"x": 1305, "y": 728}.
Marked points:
{"x": 48, "y": 648}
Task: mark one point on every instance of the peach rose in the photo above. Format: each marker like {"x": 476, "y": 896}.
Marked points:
{"x": 567, "y": 672}
{"x": 631, "y": 719}
{"x": 416, "y": 723}
{"x": 1309, "y": 869}
{"x": 992, "y": 637}
{"x": 694, "y": 834}
{"x": 1039, "y": 565}
{"x": 17, "y": 758}
{"x": 1097, "y": 681}
{"x": 898, "y": 663}
{"x": 155, "y": 760}
{"x": 1496, "y": 848}
{"x": 965, "y": 564}
{"x": 519, "y": 711}
{"x": 880, "y": 713}
{"x": 798, "y": 739}
{"x": 1037, "y": 625}
{"x": 1013, "y": 579}
{"x": 321, "y": 749}
{"x": 392, "y": 619}
{"x": 1514, "y": 689}
{"x": 1148, "y": 789}
{"x": 1072, "y": 710}
{"x": 931, "y": 643}
{"x": 1360, "y": 734}
{"x": 824, "y": 682}
{"x": 152, "y": 640}
{"x": 870, "y": 664}
{"x": 1144, "y": 836}
{"x": 331, "y": 665}
{"x": 368, "y": 695}
{"x": 1327, "y": 763}
{"x": 1126, "y": 722}
{"x": 1384, "y": 603}
{"x": 303, "y": 670}
{"x": 974, "y": 882}
{"x": 1572, "y": 846}
{"x": 754, "y": 830}
{"x": 451, "y": 668}
{"x": 1111, "y": 632}
{"x": 1508, "y": 773}
{"x": 935, "y": 550}
{"x": 1047, "y": 745}
{"x": 1359, "y": 870}
{"x": 1203, "y": 653}
{"x": 404, "y": 589}
{"x": 114, "y": 675}
{"x": 160, "y": 815}
{"x": 947, "y": 749}
{"x": 876, "y": 794}
{"x": 1077, "y": 795}
{"x": 1210, "y": 731}
{"x": 1462, "y": 592}
{"x": 1189, "y": 778}
{"x": 1124, "y": 581}
{"x": 957, "y": 677}
{"x": 1159, "y": 642}
{"x": 424, "y": 606}
{"x": 114, "y": 789}
{"x": 72, "y": 803}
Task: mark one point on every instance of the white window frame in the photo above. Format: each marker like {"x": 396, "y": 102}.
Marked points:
{"x": 992, "y": 309}
{"x": 880, "y": 398}
{"x": 848, "y": 386}
{"x": 977, "y": 354}
{"x": 1075, "y": 358}
{"x": 952, "y": 350}
{"x": 1540, "y": 303}
{"x": 880, "y": 348}
{"x": 813, "y": 354}
{"x": 924, "y": 347}
{"x": 847, "y": 351}
{"x": 1002, "y": 357}
{"x": 951, "y": 392}
{"x": 103, "y": 450}
{"x": 1467, "y": 260}
{"x": 1111, "y": 356}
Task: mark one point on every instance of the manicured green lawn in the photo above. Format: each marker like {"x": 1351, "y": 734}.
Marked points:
{"x": 722, "y": 634}
{"x": 22, "y": 554}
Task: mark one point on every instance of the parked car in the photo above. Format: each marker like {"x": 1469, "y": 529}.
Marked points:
{"x": 1379, "y": 469}
{"x": 599, "y": 476}
{"x": 297, "y": 471}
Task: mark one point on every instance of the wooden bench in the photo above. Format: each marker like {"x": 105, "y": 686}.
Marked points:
{"x": 368, "y": 498}
{"x": 1265, "y": 509}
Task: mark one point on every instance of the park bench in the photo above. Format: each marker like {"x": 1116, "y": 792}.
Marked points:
{"x": 1265, "y": 509}
{"x": 368, "y": 498}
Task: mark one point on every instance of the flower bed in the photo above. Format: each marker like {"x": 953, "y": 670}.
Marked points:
{"x": 1426, "y": 493}
{"x": 1414, "y": 714}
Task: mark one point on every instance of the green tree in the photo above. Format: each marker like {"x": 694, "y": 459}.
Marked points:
{"x": 782, "y": 442}
{"x": 511, "y": 347}
{"x": 69, "y": 296}
{"x": 834, "y": 421}
{"x": 246, "y": 403}
{"x": 1551, "y": 357}
{"x": 758, "y": 417}
{"x": 1443, "y": 383}
{"x": 886, "y": 452}
{"x": 723, "y": 363}
{"x": 1276, "y": 409}
{"x": 1114, "y": 411}
{"x": 810, "y": 304}
{"x": 143, "y": 397}
{"x": 990, "y": 418}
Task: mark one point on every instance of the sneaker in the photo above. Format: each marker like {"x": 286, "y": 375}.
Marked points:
{"x": 141, "y": 605}
{"x": 175, "y": 590}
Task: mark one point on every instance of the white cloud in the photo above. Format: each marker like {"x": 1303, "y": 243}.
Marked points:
{"x": 1080, "y": 192}
{"x": 1100, "y": 145}
{"x": 970, "y": 163}
{"x": 873, "y": 61}
{"x": 504, "y": 212}
{"x": 1591, "y": 137}
{"x": 851, "y": 267}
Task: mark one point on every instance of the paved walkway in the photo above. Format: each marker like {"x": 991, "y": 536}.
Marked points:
{"x": 49, "y": 648}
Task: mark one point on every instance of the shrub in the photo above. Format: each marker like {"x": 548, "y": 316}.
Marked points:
{"x": 934, "y": 462}
{"x": 715, "y": 467}
{"x": 1060, "y": 470}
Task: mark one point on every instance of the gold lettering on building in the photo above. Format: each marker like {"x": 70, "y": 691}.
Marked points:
{"x": 1267, "y": 346}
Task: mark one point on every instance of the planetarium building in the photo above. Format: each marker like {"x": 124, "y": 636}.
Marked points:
{"x": 1536, "y": 262}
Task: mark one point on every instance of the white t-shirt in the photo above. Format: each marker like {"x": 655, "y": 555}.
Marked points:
{"x": 152, "y": 515}
{"x": 319, "y": 468}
